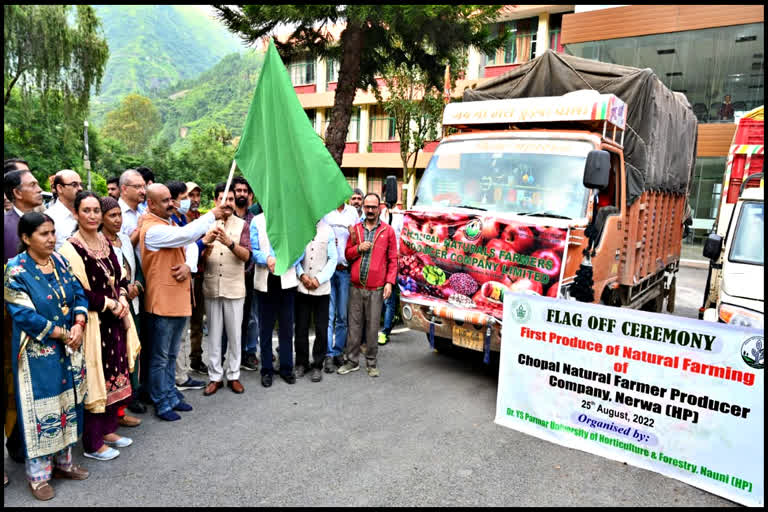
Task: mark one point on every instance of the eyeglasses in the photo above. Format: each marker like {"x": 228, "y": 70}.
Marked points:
{"x": 74, "y": 184}
{"x": 137, "y": 187}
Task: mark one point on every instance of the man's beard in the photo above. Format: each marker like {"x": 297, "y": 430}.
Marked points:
{"x": 240, "y": 202}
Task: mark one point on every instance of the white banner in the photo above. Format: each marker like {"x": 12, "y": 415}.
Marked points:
{"x": 681, "y": 397}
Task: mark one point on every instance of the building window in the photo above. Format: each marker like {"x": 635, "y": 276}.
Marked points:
{"x": 331, "y": 71}
{"x": 706, "y": 191}
{"x": 382, "y": 125}
{"x": 555, "y": 32}
{"x": 720, "y": 70}
{"x": 353, "y": 131}
{"x": 311, "y": 116}
{"x": 521, "y": 42}
{"x": 302, "y": 72}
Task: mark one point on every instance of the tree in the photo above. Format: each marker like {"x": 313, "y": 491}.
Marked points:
{"x": 44, "y": 53}
{"x": 134, "y": 123}
{"x": 206, "y": 155}
{"x": 427, "y": 36}
{"x": 416, "y": 107}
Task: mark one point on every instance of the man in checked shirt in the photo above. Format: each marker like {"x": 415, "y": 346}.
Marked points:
{"x": 372, "y": 253}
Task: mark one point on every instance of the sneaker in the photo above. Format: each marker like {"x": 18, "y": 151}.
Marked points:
{"x": 300, "y": 371}
{"x": 373, "y": 371}
{"x": 199, "y": 367}
{"x": 317, "y": 375}
{"x": 120, "y": 443}
{"x": 169, "y": 416}
{"x": 348, "y": 367}
{"x": 108, "y": 454}
{"x": 328, "y": 365}
{"x": 191, "y": 384}
{"x": 249, "y": 362}
{"x": 383, "y": 338}
{"x": 182, "y": 407}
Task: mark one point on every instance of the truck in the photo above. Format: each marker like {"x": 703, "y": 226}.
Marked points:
{"x": 735, "y": 292}
{"x": 565, "y": 177}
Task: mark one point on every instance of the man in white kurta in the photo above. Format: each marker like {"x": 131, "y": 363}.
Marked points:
{"x": 224, "y": 292}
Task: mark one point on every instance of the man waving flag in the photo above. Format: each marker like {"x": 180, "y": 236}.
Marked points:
{"x": 293, "y": 176}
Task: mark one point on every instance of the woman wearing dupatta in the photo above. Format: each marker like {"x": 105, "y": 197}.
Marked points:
{"x": 112, "y": 221}
{"x": 48, "y": 309}
{"x": 110, "y": 341}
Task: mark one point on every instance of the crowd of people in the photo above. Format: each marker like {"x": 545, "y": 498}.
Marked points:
{"x": 107, "y": 299}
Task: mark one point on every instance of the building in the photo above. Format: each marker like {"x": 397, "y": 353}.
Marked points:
{"x": 372, "y": 152}
{"x": 704, "y": 51}
{"x": 707, "y": 52}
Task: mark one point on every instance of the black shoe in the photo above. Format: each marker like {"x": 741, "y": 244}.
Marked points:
{"x": 299, "y": 371}
{"x": 338, "y": 361}
{"x": 145, "y": 399}
{"x": 249, "y": 362}
{"x": 317, "y": 375}
{"x": 137, "y": 407}
{"x": 266, "y": 380}
{"x": 199, "y": 367}
{"x": 290, "y": 379}
{"x": 328, "y": 365}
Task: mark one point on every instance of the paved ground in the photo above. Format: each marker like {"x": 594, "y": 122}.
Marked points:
{"x": 421, "y": 435}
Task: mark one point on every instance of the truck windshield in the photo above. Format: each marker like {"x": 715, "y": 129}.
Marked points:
{"x": 515, "y": 175}
{"x": 749, "y": 238}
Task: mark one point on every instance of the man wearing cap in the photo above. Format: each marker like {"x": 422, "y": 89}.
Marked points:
{"x": 194, "y": 193}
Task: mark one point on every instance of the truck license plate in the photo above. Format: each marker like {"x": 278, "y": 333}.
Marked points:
{"x": 468, "y": 337}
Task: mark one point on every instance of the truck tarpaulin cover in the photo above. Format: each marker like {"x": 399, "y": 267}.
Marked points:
{"x": 660, "y": 140}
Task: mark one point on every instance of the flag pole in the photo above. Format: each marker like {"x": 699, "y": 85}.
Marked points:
{"x": 229, "y": 182}
{"x": 229, "y": 179}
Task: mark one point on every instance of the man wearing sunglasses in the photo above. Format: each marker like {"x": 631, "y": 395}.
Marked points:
{"x": 66, "y": 185}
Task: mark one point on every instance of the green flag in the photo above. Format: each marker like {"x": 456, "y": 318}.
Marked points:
{"x": 293, "y": 176}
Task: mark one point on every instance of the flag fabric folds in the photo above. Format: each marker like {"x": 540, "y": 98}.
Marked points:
{"x": 294, "y": 177}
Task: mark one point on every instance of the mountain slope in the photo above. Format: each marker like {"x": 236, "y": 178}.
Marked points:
{"x": 221, "y": 95}
{"x": 154, "y": 46}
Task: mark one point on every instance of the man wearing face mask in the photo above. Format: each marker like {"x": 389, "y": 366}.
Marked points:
{"x": 181, "y": 203}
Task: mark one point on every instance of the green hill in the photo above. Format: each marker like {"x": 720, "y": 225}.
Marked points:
{"x": 220, "y": 95}
{"x": 154, "y": 46}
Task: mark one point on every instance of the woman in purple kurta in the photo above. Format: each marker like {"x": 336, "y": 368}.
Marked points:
{"x": 107, "y": 288}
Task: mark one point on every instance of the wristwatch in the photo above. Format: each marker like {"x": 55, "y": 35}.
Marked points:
{"x": 232, "y": 245}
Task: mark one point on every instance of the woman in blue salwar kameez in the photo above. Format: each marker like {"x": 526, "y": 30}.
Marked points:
{"x": 49, "y": 309}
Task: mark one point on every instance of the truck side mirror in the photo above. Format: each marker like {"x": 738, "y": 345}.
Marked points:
{"x": 597, "y": 170}
{"x": 390, "y": 190}
{"x": 713, "y": 246}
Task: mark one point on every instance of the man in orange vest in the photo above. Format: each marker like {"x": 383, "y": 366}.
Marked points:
{"x": 168, "y": 257}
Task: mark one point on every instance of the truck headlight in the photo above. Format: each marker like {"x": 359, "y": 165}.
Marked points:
{"x": 740, "y": 317}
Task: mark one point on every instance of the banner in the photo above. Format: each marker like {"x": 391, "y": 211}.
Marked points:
{"x": 681, "y": 397}
{"x": 471, "y": 261}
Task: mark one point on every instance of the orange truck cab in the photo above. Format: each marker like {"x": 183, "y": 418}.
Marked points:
{"x": 531, "y": 195}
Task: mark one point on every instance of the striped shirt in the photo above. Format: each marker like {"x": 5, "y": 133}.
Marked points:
{"x": 365, "y": 260}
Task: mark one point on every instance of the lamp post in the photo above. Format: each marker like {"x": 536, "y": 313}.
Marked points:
{"x": 86, "y": 161}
